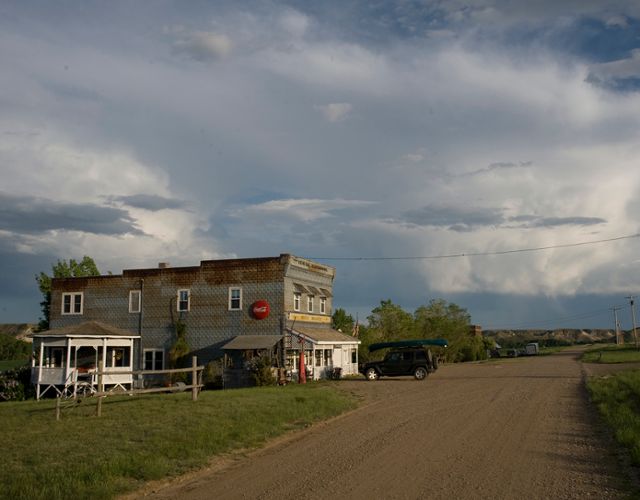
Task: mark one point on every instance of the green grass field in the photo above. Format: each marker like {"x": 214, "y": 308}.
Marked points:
{"x": 618, "y": 400}
{"x": 144, "y": 438}
{"x": 612, "y": 354}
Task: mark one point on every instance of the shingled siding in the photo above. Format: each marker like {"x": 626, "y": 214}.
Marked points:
{"x": 209, "y": 321}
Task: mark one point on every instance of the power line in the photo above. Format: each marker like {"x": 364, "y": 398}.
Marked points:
{"x": 482, "y": 254}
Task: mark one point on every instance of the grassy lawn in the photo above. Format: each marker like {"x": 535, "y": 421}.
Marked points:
{"x": 145, "y": 437}
{"x": 612, "y": 354}
{"x": 618, "y": 400}
{"x": 14, "y": 363}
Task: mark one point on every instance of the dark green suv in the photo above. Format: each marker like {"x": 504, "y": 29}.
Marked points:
{"x": 416, "y": 361}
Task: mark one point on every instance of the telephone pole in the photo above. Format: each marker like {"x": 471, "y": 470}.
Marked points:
{"x": 619, "y": 340}
{"x": 633, "y": 318}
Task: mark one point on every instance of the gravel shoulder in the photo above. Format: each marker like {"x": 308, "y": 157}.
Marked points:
{"x": 510, "y": 429}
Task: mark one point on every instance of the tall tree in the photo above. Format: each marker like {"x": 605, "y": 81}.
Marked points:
{"x": 62, "y": 269}
{"x": 389, "y": 321}
{"x": 443, "y": 319}
{"x": 342, "y": 321}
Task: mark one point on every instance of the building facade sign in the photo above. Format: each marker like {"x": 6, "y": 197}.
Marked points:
{"x": 309, "y": 318}
{"x": 312, "y": 266}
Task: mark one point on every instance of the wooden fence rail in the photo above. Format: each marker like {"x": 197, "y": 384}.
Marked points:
{"x": 195, "y": 385}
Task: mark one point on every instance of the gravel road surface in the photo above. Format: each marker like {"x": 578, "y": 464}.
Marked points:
{"x": 518, "y": 428}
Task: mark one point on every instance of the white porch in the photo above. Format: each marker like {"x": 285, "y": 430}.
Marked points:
{"x": 67, "y": 360}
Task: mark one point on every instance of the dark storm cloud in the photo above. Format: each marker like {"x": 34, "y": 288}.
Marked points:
{"x": 150, "y": 202}
{"x": 29, "y": 214}
{"x": 455, "y": 218}
{"x": 465, "y": 219}
{"x": 533, "y": 221}
{"x": 502, "y": 165}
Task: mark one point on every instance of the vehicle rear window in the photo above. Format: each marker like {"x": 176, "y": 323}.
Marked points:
{"x": 421, "y": 355}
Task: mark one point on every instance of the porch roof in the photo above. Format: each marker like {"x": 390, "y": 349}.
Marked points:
{"x": 245, "y": 342}
{"x": 322, "y": 335}
{"x": 87, "y": 329}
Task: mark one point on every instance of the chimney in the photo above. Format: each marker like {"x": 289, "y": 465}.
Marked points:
{"x": 163, "y": 265}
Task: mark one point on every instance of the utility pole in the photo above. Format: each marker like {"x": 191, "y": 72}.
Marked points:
{"x": 633, "y": 318}
{"x": 617, "y": 324}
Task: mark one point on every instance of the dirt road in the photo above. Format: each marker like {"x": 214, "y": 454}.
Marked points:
{"x": 513, "y": 429}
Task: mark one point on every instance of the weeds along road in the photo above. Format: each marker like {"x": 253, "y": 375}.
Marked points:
{"x": 512, "y": 429}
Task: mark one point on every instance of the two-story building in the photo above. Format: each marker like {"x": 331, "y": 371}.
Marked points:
{"x": 285, "y": 297}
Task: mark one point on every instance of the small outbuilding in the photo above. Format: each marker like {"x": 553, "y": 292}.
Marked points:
{"x": 328, "y": 352}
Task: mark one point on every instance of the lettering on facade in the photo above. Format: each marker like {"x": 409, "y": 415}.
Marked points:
{"x": 309, "y": 318}
{"x": 312, "y": 266}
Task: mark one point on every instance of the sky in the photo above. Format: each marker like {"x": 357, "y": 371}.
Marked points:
{"x": 169, "y": 131}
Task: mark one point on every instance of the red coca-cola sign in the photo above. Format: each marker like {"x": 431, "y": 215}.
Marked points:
{"x": 260, "y": 309}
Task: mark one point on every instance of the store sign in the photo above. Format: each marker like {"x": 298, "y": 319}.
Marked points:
{"x": 309, "y": 318}
{"x": 260, "y": 309}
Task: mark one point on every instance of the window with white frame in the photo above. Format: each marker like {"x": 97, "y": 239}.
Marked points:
{"x": 235, "y": 299}
{"x": 72, "y": 303}
{"x": 310, "y": 303}
{"x": 323, "y": 305}
{"x": 154, "y": 359}
{"x": 183, "y": 302}
{"x": 296, "y": 301}
{"x": 135, "y": 301}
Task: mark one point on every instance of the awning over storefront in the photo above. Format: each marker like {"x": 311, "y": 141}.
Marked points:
{"x": 299, "y": 288}
{"x": 247, "y": 342}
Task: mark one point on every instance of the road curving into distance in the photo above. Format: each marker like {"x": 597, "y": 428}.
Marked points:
{"x": 512, "y": 429}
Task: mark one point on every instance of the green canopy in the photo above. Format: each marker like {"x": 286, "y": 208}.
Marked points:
{"x": 408, "y": 343}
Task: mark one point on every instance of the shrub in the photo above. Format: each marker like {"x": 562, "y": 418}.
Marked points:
{"x": 15, "y": 385}
{"x": 261, "y": 372}
{"x": 212, "y": 375}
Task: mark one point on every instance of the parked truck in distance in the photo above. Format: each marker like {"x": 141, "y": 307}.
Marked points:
{"x": 531, "y": 349}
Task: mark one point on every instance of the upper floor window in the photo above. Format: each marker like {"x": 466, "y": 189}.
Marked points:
{"x": 235, "y": 298}
{"x": 184, "y": 300}
{"x": 323, "y": 305}
{"x": 310, "y": 303}
{"x": 135, "y": 301}
{"x": 72, "y": 303}
{"x": 296, "y": 301}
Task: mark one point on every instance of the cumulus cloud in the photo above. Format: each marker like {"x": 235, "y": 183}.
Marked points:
{"x": 203, "y": 45}
{"x": 469, "y": 137}
{"x": 335, "y": 111}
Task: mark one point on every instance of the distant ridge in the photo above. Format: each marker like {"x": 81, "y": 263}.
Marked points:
{"x": 18, "y": 330}
{"x": 557, "y": 336}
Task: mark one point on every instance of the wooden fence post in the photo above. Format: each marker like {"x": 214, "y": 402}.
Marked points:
{"x": 194, "y": 378}
{"x": 100, "y": 391}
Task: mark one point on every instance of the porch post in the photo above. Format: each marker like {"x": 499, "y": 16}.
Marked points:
{"x": 67, "y": 368}
{"x": 40, "y": 369}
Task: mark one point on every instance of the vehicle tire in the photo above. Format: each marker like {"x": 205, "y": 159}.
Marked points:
{"x": 420, "y": 373}
{"x": 371, "y": 374}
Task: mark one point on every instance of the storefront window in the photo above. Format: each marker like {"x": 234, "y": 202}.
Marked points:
{"x": 327, "y": 357}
